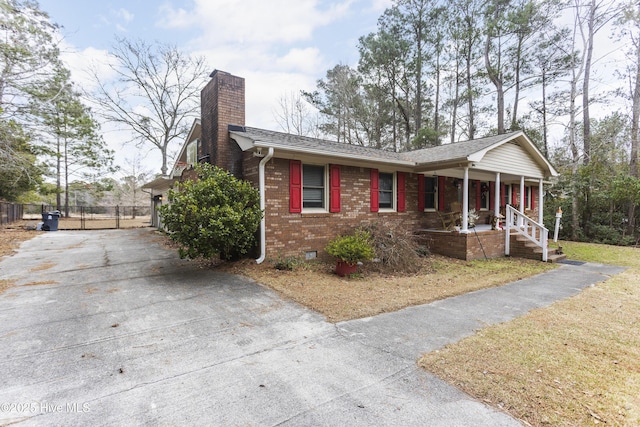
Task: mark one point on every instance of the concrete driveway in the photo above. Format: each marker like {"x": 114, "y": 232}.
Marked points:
{"x": 111, "y": 328}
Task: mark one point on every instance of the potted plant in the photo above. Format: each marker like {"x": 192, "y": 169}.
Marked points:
{"x": 349, "y": 250}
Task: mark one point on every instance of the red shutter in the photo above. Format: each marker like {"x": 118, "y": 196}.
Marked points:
{"x": 295, "y": 186}
{"x": 442, "y": 181}
{"x": 402, "y": 204}
{"x": 478, "y": 195}
{"x": 503, "y": 195}
{"x": 334, "y": 188}
{"x": 420, "y": 193}
{"x": 534, "y": 190}
{"x": 492, "y": 190}
{"x": 374, "y": 191}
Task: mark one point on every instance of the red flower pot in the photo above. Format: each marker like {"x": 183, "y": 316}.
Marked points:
{"x": 345, "y": 268}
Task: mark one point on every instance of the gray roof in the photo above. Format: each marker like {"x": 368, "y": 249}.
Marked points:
{"x": 442, "y": 153}
{"x": 459, "y": 150}
{"x": 286, "y": 141}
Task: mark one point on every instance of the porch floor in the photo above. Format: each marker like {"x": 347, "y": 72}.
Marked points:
{"x": 480, "y": 228}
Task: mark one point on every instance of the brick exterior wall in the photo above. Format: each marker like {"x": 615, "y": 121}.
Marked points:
{"x": 222, "y": 104}
{"x": 294, "y": 234}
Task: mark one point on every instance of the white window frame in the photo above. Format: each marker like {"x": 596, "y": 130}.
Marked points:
{"x": 192, "y": 156}
{"x": 394, "y": 192}
{"x": 325, "y": 195}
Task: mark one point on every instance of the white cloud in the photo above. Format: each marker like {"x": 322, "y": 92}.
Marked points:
{"x": 82, "y": 62}
{"x": 380, "y": 5}
{"x": 124, "y": 14}
{"x": 255, "y": 21}
{"x": 307, "y": 60}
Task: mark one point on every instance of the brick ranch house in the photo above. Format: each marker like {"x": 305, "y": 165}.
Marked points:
{"x": 312, "y": 190}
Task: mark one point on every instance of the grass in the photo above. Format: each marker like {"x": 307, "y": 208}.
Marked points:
{"x": 574, "y": 363}
{"x": 316, "y": 286}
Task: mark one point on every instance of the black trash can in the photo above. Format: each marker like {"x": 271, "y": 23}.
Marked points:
{"x": 50, "y": 220}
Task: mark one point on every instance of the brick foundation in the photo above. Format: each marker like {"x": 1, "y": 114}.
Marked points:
{"x": 465, "y": 246}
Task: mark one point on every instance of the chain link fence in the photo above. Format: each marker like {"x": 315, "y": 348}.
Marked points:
{"x": 92, "y": 217}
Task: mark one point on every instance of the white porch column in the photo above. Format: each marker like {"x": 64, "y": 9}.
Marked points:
{"x": 465, "y": 202}
{"x": 522, "y": 204}
{"x": 496, "y": 196}
{"x": 540, "y": 202}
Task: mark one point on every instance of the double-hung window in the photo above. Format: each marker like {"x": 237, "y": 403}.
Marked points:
{"x": 430, "y": 192}
{"x": 314, "y": 187}
{"x": 386, "y": 190}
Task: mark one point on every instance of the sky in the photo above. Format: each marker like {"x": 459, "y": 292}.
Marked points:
{"x": 278, "y": 46}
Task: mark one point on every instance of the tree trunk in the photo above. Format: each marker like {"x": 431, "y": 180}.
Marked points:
{"x": 635, "y": 136}
{"x": 468, "y": 64}
{"x": 544, "y": 111}
{"x": 494, "y": 76}
{"x": 585, "y": 84}
{"x": 456, "y": 97}
{"x": 58, "y": 175}
{"x": 516, "y": 97}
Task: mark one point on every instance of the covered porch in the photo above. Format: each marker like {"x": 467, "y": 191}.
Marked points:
{"x": 474, "y": 194}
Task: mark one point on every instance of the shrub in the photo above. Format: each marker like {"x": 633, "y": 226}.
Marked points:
{"x": 287, "y": 263}
{"x": 217, "y": 214}
{"x": 352, "y": 248}
{"x": 395, "y": 247}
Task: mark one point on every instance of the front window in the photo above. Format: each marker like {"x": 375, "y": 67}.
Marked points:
{"x": 484, "y": 195}
{"x": 313, "y": 187}
{"x": 430, "y": 192}
{"x": 385, "y": 190}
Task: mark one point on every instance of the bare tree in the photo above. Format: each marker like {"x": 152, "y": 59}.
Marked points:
{"x": 598, "y": 14}
{"x": 296, "y": 116}
{"x": 155, "y": 94}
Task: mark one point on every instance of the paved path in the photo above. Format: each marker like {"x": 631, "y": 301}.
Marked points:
{"x": 111, "y": 328}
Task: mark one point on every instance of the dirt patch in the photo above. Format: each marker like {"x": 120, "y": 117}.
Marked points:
{"x": 5, "y": 284}
{"x": 43, "y": 282}
{"x": 43, "y": 266}
{"x": 12, "y": 236}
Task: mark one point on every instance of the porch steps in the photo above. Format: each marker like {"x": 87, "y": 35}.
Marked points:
{"x": 522, "y": 247}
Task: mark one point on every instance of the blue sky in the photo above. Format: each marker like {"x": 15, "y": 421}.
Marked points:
{"x": 278, "y": 46}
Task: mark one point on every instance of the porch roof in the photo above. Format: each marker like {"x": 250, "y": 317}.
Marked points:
{"x": 511, "y": 154}
{"x": 160, "y": 183}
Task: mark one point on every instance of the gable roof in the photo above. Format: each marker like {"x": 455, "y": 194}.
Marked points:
{"x": 456, "y": 154}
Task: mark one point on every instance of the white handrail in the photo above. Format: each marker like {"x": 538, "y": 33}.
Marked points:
{"x": 525, "y": 226}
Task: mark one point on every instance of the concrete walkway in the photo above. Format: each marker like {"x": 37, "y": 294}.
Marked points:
{"x": 111, "y": 328}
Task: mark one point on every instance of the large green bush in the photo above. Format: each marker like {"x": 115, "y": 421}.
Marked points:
{"x": 217, "y": 214}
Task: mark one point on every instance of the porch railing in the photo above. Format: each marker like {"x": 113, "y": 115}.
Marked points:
{"x": 525, "y": 226}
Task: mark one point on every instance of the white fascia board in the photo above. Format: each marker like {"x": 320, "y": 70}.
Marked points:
{"x": 245, "y": 143}
{"x": 190, "y": 137}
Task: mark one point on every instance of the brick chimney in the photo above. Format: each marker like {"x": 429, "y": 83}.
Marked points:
{"x": 222, "y": 104}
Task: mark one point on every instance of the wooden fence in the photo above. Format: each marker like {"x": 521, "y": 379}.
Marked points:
{"x": 10, "y": 212}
